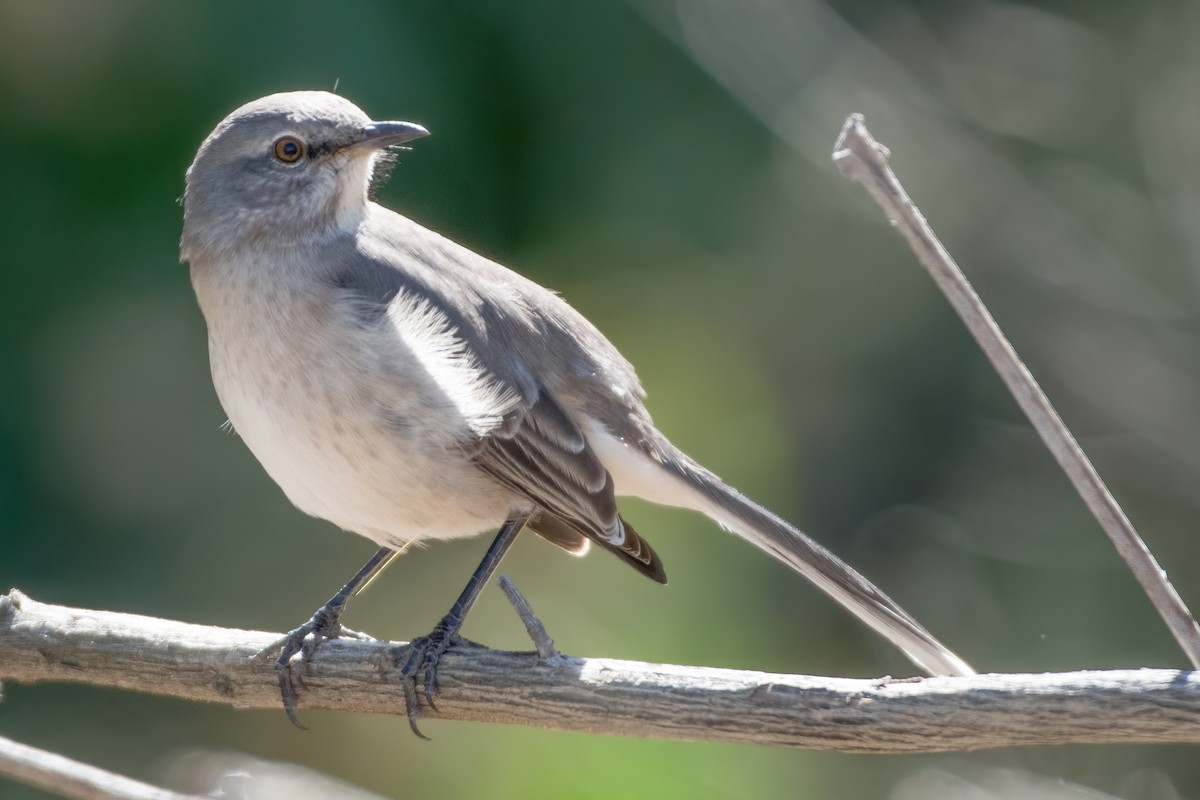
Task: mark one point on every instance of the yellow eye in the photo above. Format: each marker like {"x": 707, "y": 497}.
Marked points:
{"x": 289, "y": 149}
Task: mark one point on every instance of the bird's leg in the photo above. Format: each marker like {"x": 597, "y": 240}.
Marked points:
{"x": 425, "y": 652}
{"x": 324, "y": 624}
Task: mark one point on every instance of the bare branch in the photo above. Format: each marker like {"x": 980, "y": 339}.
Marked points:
{"x": 40, "y": 642}
{"x": 72, "y": 779}
{"x": 863, "y": 160}
{"x": 546, "y": 650}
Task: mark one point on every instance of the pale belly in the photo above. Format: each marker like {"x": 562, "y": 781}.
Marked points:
{"x": 347, "y": 445}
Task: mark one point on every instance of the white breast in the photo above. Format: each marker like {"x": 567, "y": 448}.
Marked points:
{"x": 359, "y": 425}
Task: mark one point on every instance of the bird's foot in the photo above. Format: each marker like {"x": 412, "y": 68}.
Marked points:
{"x": 419, "y": 673}
{"x": 297, "y": 649}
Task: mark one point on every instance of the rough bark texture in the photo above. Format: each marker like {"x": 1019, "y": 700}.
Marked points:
{"x": 40, "y": 642}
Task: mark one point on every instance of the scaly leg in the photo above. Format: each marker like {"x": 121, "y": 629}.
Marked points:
{"x": 425, "y": 652}
{"x": 323, "y": 625}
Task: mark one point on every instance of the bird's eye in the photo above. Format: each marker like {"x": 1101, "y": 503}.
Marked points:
{"x": 289, "y": 149}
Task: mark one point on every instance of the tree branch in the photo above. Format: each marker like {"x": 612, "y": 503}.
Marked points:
{"x": 72, "y": 779}
{"x": 41, "y": 642}
{"x": 863, "y": 160}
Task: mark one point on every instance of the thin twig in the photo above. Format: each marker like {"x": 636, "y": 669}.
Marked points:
{"x": 40, "y": 642}
{"x": 547, "y": 652}
{"x": 863, "y": 160}
{"x": 65, "y": 777}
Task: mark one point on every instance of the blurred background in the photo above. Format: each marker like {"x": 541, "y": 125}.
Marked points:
{"x": 666, "y": 167}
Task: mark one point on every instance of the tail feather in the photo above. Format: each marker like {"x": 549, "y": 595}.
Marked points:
{"x": 839, "y": 580}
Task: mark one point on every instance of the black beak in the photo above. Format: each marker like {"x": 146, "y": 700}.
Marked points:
{"x": 379, "y": 135}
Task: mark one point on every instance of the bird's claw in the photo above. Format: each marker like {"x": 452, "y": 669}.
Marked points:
{"x": 299, "y": 645}
{"x": 424, "y": 655}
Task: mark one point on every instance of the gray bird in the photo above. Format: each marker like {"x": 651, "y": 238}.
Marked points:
{"x": 407, "y": 389}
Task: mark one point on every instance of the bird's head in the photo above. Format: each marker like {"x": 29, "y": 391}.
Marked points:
{"x": 289, "y": 166}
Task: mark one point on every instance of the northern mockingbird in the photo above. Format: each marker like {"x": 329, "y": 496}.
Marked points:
{"x": 407, "y": 389}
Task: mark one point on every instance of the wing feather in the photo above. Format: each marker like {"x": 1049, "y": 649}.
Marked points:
{"x": 539, "y": 452}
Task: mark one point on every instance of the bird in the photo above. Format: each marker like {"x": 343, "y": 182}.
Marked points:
{"x": 409, "y": 390}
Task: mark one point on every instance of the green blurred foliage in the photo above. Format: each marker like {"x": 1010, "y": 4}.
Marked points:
{"x": 666, "y": 167}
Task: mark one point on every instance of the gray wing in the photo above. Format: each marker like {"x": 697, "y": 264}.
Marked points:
{"x": 541, "y": 351}
{"x": 540, "y": 453}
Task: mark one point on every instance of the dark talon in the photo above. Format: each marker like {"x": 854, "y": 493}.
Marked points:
{"x": 323, "y": 625}
{"x": 425, "y": 652}
{"x": 303, "y": 641}
{"x": 410, "y": 705}
{"x": 424, "y": 656}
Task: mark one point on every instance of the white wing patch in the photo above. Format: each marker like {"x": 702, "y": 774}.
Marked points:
{"x": 431, "y": 339}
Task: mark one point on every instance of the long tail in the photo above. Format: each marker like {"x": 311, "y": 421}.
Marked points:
{"x": 839, "y": 580}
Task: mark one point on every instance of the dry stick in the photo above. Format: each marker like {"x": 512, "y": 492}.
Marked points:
{"x": 40, "y": 642}
{"x": 72, "y": 779}
{"x": 863, "y": 160}
{"x": 547, "y": 652}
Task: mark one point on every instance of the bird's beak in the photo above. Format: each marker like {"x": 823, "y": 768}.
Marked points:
{"x": 378, "y": 135}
